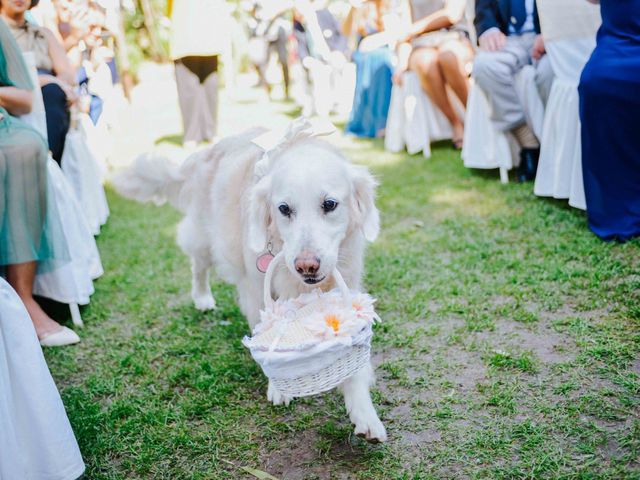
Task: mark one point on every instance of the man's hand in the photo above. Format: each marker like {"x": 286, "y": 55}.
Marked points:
{"x": 492, "y": 40}
{"x": 538, "y": 48}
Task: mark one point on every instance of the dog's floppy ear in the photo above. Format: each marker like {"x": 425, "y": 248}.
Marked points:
{"x": 259, "y": 217}
{"x": 366, "y": 215}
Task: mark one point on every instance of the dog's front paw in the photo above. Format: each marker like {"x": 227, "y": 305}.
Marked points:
{"x": 204, "y": 302}
{"x": 369, "y": 427}
{"x": 277, "y": 398}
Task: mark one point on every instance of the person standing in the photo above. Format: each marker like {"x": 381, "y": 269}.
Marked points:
{"x": 199, "y": 36}
{"x": 609, "y": 104}
{"x": 509, "y": 38}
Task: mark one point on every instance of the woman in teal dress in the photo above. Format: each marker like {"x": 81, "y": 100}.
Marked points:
{"x": 31, "y": 238}
{"x": 374, "y": 68}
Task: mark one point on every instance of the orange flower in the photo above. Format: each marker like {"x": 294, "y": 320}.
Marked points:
{"x": 333, "y": 322}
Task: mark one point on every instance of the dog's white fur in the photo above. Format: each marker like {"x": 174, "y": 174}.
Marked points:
{"x": 231, "y": 216}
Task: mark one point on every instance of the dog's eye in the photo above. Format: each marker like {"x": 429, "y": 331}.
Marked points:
{"x": 284, "y": 209}
{"x": 329, "y": 205}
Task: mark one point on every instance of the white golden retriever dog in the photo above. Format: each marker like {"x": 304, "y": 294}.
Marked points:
{"x": 307, "y": 201}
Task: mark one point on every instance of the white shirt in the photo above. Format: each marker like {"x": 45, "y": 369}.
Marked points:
{"x": 199, "y": 28}
{"x": 528, "y": 25}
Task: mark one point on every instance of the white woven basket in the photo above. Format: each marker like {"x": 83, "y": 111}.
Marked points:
{"x": 299, "y": 353}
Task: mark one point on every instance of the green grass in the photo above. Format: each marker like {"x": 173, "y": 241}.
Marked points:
{"x": 508, "y": 349}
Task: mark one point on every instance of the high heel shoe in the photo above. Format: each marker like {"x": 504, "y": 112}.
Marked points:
{"x": 59, "y": 338}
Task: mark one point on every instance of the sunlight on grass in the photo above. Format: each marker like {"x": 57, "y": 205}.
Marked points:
{"x": 508, "y": 346}
{"x": 468, "y": 202}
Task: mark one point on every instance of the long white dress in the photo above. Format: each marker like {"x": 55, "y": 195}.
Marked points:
{"x": 36, "y": 439}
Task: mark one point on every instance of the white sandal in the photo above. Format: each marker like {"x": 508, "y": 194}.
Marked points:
{"x": 59, "y": 338}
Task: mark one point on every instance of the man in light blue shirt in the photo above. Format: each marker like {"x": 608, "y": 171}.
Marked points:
{"x": 509, "y": 38}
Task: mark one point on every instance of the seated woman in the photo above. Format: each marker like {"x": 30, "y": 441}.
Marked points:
{"x": 372, "y": 23}
{"x": 56, "y": 74}
{"x": 31, "y": 236}
{"x": 438, "y": 49}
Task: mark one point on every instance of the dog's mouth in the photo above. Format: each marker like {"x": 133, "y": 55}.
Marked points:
{"x": 313, "y": 280}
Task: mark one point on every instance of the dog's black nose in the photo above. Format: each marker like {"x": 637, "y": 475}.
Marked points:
{"x": 307, "y": 265}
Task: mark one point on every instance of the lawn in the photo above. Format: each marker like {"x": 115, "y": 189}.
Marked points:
{"x": 509, "y": 347}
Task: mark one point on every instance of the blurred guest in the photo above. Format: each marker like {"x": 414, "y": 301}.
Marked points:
{"x": 31, "y": 236}
{"x": 324, "y": 52}
{"x": 270, "y": 32}
{"x": 609, "y": 106}
{"x": 509, "y": 38}
{"x": 317, "y": 31}
{"x": 438, "y": 49}
{"x": 199, "y": 35}
{"x": 55, "y": 73}
{"x": 372, "y": 24}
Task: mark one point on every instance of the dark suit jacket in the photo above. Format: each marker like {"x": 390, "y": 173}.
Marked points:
{"x": 496, "y": 13}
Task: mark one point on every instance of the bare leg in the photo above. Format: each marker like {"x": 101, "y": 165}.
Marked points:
{"x": 360, "y": 408}
{"x": 21, "y": 276}
{"x": 425, "y": 62}
{"x": 452, "y": 57}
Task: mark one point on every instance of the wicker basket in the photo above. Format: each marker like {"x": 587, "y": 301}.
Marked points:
{"x": 301, "y": 360}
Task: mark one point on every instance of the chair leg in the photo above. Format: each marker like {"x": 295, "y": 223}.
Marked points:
{"x": 75, "y": 315}
{"x": 504, "y": 175}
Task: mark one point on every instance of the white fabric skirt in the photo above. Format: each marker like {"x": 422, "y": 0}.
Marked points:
{"x": 83, "y": 172}
{"x": 484, "y": 146}
{"x": 560, "y": 167}
{"x": 413, "y": 120}
{"x": 36, "y": 439}
{"x": 73, "y": 282}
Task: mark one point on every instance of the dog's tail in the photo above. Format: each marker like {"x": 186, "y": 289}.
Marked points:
{"x": 155, "y": 179}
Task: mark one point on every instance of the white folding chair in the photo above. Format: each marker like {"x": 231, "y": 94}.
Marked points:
{"x": 569, "y": 28}
{"x": 485, "y": 147}
{"x": 82, "y": 170}
{"x": 37, "y": 440}
{"x": 413, "y": 120}
{"x": 72, "y": 283}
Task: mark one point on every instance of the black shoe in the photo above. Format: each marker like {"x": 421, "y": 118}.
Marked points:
{"x": 528, "y": 164}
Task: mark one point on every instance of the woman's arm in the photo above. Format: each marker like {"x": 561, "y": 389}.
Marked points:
{"x": 451, "y": 14}
{"x": 16, "y": 100}
{"x": 349, "y": 26}
{"x": 61, "y": 64}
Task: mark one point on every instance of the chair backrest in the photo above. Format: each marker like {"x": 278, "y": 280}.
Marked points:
{"x": 569, "y": 29}
{"x": 568, "y": 19}
{"x": 470, "y": 15}
{"x": 37, "y": 117}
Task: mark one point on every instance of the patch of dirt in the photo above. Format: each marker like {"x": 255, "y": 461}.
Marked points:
{"x": 302, "y": 459}
{"x": 418, "y": 439}
{"x": 635, "y": 366}
{"x": 547, "y": 345}
{"x": 567, "y": 310}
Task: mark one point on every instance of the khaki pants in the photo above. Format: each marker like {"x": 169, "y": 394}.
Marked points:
{"x": 198, "y": 98}
{"x": 495, "y": 74}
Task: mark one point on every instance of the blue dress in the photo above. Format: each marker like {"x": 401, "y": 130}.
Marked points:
{"x": 610, "y": 115}
{"x": 371, "y": 100}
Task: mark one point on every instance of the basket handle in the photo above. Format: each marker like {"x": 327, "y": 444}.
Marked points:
{"x": 268, "y": 300}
